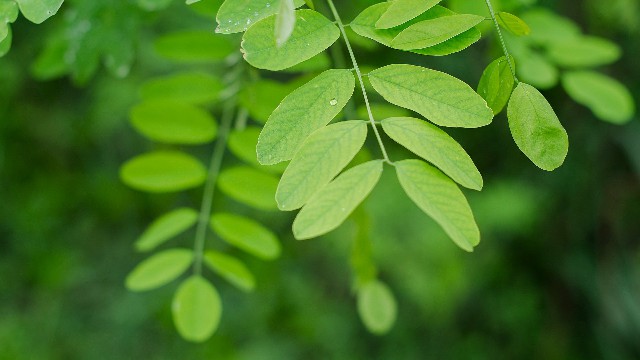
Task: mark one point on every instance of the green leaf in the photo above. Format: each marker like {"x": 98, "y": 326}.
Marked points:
{"x": 194, "y": 46}
{"x": 496, "y": 84}
{"x": 285, "y": 21}
{"x": 250, "y": 187}
{"x": 302, "y": 112}
{"x": 166, "y": 227}
{"x": 260, "y": 98}
{"x": 246, "y": 234}
{"x": 231, "y": 269}
{"x": 453, "y": 45}
{"x": 173, "y": 122}
{"x": 583, "y": 51}
{"x": 312, "y": 34}
{"x": 188, "y": 87}
{"x": 537, "y": 70}
{"x": 441, "y": 199}
{"x": 435, "y": 146}
{"x": 513, "y": 24}
{"x": 330, "y": 206}
{"x": 242, "y": 144}
{"x": 606, "y": 97}
{"x": 401, "y": 11}
{"x": 432, "y": 32}
{"x": 5, "y": 44}
{"x": 547, "y": 27}
{"x": 189, "y": 2}
{"x": 237, "y": 15}
{"x": 322, "y": 156}
{"x": 159, "y": 269}
{"x": 4, "y": 31}
{"x": 196, "y": 309}
{"x": 439, "y": 97}
{"x": 310, "y": 4}
{"x": 536, "y": 129}
{"x": 38, "y": 11}
{"x": 163, "y": 171}
{"x": 377, "y": 307}
{"x": 8, "y": 11}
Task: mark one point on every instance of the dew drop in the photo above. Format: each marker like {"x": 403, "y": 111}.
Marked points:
{"x": 333, "y": 102}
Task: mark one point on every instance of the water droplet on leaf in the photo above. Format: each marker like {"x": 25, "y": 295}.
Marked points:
{"x": 333, "y": 102}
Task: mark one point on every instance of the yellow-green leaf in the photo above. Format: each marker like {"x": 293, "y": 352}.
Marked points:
{"x": 432, "y": 32}
{"x": 401, "y": 11}
{"x": 188, "y": 87}
{"x": 242, "y": 144}
{"x": 246, "y": 234}
{"x": 194, "y": 46}
{"x": 250, "y": 187}
{"x": 196, "y": 309}
{"x": 231, "y": 269}
{"x": 285, "y": 21}
{"x": 163, "y": 171}
{"x": 496, "y": 84}
{"x": 377, "y": 307}
{"x": 583, "y": 51}
{"x": 159, "y": 269}
{"x": 166, "y": 227}
{"x": 237, "y": 15}
{"x": 513, "y": 24}
{"x": 38, "y": 11}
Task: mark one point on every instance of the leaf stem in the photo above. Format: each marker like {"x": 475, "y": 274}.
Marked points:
{"x": 359, "y": 75}
{"x": 502, "y": 43}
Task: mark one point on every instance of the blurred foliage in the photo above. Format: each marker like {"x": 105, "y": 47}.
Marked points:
{"x": 557, "y": 275}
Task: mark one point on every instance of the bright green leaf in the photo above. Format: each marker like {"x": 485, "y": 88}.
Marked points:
{"x": 377, "y": 307}
{"x": 194, "y": 46}
{"x": 496, "y": 84}
{"x": 260, "y": 98}
{"x": 237, "y": 15}
{"x": 513, "y": 24}
{"x": 583, "y": 51}
{"x": 173, "y": 122}
{"x": 312, "y": 34}
{"x": 159, "y": 269}
{"x": 8, "y": 11}
{"x": 432, "y": 32}
{"x": 163, "y": 171}
{"x": 246, "y": 234}
{"x": 285, "y": 21}
{"x": 302, "y": 112}
{"x": 196, "y": 309}
{"x": 536, "y": 70}
{"x": 242, "y": 144}
{"x": 453, "y": 45}
{"x": 536, "y": 129}
{"x": 5, "y": 44}
{"x": 322, "y": 156}
{"x": 188, "y": 87}
{"x": 330, "y": 206}
{"x": 231, "y": 269}
{"x": 547, "y": 26}
{"x": 250, "y": 187}
{"x": 166, "y": 227}
{"x": 606, "y": 97}
{"x": 401, "y": 11}
{"x": 441, "y": 199}
{"x": 439, "y": 97}
{"x": 310, "y": 4}
{"x": 38, "y": 11}
{"x": 435, "y": 146}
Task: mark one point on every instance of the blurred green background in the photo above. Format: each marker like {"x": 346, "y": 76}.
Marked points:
{"x": 557, "y": 275}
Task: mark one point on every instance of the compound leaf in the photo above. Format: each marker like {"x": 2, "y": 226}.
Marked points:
{"x": 166, "y": 227}
{"x": 377, "y": 307}
{"x": 231, "y": 269}
{"x": 441, "y": 199}
{"x": 246, "y": 234}
{"x": 163, "y": 171}
{"x": 536, "y": 129}
{"x": 196, "y": 309}
{"x": 159, "y": 269}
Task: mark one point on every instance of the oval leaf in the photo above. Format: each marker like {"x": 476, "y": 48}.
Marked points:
{"x": 285, "y": 21}
{"x": 173, "y": 122}
{"x": 163, "y": 171}
{"x": 166, "y": 227}
{"x": 194, "y": 46}
{"x": 401, "y": 11}
{"x": 453, "y": 45}
{"x": 330, "y": 206}
{"x": 322, "y": 156}
{"x": 435, "y": 146}
{"x": 231, "y": 269}
{"x": 536, "y": 129}
{"x": 196, "y": 309}
{"x": 302, "y": 112}
{"x": 237, "y": 15}
{"x": 432, "y": 32}
{"x": 38, "y": 11}
{"x": 439, "y": 97}
{"x": 583, "y": 51}
{"x": 8, "y": 12}
{"x": 606, "y": 97}
{"x": 250, "y": 187}
{"x": 188, "y": 87}
{"x": 441, "y": 199}
{"x": 160, "y": 269}
{"x": 246, "y": 234}
{"x": 242, "y": 143}
{"x": 513, "y": 24}
{"x": 496, "y": 84}
{"x": 377, "y": 307}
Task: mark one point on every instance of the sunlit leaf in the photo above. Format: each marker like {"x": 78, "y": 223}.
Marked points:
{"x": 330, "y": 206}
{"x": 606, "y": 97}
{"x": 377, "y": 307}
{"x": 231, "y": 269}
{"x": 38, "y": 11}
{"x": 536, "y": 129}
{"x": 196, "y": 309}
{"x": 8, "y": 11}
{"x": 173, "y": 122}
{"x": 250, "y": 187}
{"x": 246, "y": 234}
{"x": 194, "y": 46}
{"x": 440, "y": 198}
{"x": 513, "y": 24}
{"x": 401, "y": 11}
{"x": 436, "y": 146}
{"x": 312, "y": 34}
{"x": 439, "y": 97}
{"x": 163, "y": 171}
{"x": 496, "y": 84}
{"x": 237, "y": 15}
{"x": 166, "y": 227}
{"x": 305, "y": 110}
{"x": 5, "y": 44}
{"x": 432, "y": 32}
{"x": 159, "y": 269}
{"x": 188, "y": 87}
{"x": 320, "y": 158}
